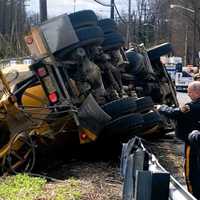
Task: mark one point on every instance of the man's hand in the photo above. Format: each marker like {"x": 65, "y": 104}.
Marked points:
{"x": 185, "y": 108}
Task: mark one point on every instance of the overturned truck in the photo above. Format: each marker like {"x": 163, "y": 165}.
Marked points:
{"x": 83, "y": 83}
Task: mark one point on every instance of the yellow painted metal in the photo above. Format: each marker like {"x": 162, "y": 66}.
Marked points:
{"x": 37, "y": 48}
{"x": 34, "y": 96}
{"x": 90, "y": 136}
{"x": 14, "y": 142}
{"x": 4, "y": 150}
{"x": 33, "y": 111}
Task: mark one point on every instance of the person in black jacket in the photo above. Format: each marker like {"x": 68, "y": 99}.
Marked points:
{"x": 187, "y": 119}
{"x": 194, "y": 162}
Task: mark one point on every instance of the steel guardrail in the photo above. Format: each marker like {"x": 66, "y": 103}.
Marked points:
{"x": 134, "y": 162}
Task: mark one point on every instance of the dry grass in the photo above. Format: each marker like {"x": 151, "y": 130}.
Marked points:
{"x": 97, "y": 181}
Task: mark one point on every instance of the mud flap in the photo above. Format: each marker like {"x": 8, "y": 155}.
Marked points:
{"x": 92, "y": 119}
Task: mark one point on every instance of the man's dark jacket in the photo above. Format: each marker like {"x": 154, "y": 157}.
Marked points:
{"x": 187, "y": 121}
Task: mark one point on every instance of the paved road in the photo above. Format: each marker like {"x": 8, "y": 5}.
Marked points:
{"x": 183, "y": 98}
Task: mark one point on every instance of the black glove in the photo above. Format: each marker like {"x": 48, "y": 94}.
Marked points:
{"x": 194, "y": 139}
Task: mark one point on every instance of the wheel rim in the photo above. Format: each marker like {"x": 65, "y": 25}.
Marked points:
{"x": 21, "y": 154}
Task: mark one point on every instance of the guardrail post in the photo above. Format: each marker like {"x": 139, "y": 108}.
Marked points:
{"x": 140, "y": 162}
{"x": 143, "y": 185}
{"x": 145, "y": 178}
{"x": 136, "y": 161}
{"x": 123, "y": 160}
{"x": 128, "y": 180}
{"x": 152, "y": 186}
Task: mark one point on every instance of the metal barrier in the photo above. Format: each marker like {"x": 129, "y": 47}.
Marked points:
{"x": 145, "y": 178}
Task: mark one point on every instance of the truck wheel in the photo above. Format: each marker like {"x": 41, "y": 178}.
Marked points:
{"x": 153, "y": 125}
{"x": 83, "y": 18}
{"x": 151, "y": 119}
{"x": 125, "y": 124}
{"x": 137, "y": 62}
{"x": 144, "y": 104}
{"x": 156, "y": 52}
{"x": 112, "y": 41}
{"x": 21, "y": 158}
{"x": 90, "y": 35}
{"x": 120, "y": 107}
{"x": 108, "y": 25}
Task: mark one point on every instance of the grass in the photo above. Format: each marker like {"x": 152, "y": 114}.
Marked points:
{"x": 69, "y": 191}
{"x": 21, "y": 187}
{"x": 24, "y": 187}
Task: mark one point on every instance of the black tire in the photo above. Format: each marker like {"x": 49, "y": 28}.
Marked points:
{"x": 128, "y": 77}
{"x": 144, "y": 104}
{"x": 112, "y": 41}
{"x": 156, "y": 52}
{"x": 136, "y": 62}
{"x": 153, "y": 126}
{"x": 125, "y": 124}
{"x": 83, "y": 18}
{"x": 90, "y": 35}
{"x": 151, "y": 119}
{"x": 120, "y": 107}
{"x": 108, "y": 25}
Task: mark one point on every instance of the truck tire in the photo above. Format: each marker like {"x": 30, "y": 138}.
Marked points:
{"x": 136, "y": 62}
{"x": 151, "y": 119}
{"x": 156, "y": 52}
{"x": 144, "y": 104}
{"x": 125, "y": 124}
{"x": 153, "y": 126}
{"x": 120, "y": 107}
{"x": 108, "y": 25}
{"x": 83, "y": 18}
{"x": 90, "y": 35}
{"x": 112, "y": 41}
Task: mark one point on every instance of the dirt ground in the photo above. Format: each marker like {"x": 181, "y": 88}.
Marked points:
{"x": 170, "y": 154}
{"x": 97, "y": 173}
{"x": 100, "y": 179}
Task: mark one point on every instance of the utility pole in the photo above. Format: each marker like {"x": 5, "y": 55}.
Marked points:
{"x": 74, "y": 5}
{"x": 194, "y": 12}
{"x": 43, "y": 10}
{"x": 186, "y": 46}
{"x": 112, "y": 9}
{"x": 128, "y": 24}
{"x": 194, "y": 37}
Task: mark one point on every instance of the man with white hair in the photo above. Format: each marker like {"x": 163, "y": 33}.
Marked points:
{"x": 187, "y": 119}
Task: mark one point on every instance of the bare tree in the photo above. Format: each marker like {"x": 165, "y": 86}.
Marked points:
{"x": 186, "y": 30}
{"x": 154, "y": 22}
{"x": 12, "y": 27}
{"x": 149, "y": 23}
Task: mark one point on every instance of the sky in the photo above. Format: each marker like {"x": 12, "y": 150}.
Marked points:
{"x": 57, "y": 7}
